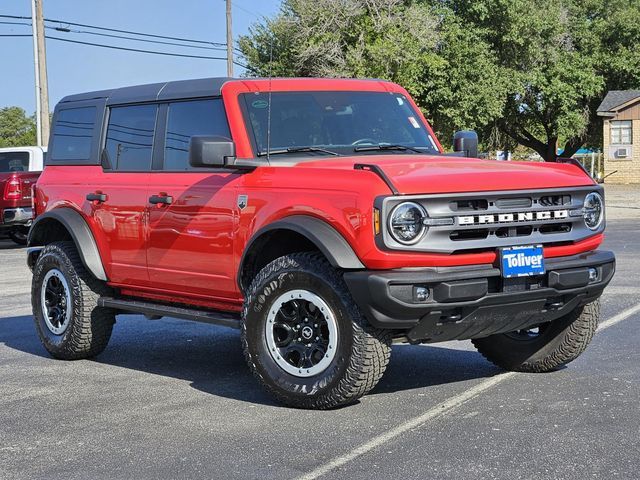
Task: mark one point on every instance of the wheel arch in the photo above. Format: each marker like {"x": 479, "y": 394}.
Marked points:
{"x": 67, "y": 224}
{"x": 296, "y": 233}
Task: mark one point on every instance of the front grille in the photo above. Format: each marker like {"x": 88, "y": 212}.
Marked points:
{"x": 484, "y": 221}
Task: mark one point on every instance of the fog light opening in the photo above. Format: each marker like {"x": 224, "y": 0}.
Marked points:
{"x": 420, "y": 294}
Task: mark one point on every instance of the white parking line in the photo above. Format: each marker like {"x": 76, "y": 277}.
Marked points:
{"x": 441, "y": 410}
{"x": 623, "y": 315}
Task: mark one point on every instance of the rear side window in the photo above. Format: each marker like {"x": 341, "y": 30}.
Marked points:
{"x": 73, "y": 133}
{"x": 14, "y": 162}
{"x": 129, "y": 144}
{"x": 186, "y": 119}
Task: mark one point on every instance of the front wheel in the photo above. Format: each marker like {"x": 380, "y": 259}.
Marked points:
{"x": 304, "y": 338}
{"x": 545, "y": 348}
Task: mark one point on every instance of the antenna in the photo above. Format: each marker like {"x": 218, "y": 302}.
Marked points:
{"x": 269, "y": 102}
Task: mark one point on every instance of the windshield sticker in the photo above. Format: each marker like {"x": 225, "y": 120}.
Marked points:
{"x": 400, "y": 101}
{"x": 260, "y": 104}
{"x": 414, "y": 122}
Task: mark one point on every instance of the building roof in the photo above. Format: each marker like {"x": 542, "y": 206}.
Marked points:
{"x": 616, "y": 98}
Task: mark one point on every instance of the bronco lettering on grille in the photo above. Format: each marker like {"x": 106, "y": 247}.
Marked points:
{"x": 513, "y": 217}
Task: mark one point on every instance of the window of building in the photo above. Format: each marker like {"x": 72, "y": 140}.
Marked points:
{"x": 187, "y": 119}
{"x": 129, "y": 144}
{"x": 73, "y": 133}
{"x": 621, "y": 132}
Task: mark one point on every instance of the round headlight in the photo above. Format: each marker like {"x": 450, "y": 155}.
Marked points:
{"x": 406, "y": 223}
{"x": 593, "y": 211}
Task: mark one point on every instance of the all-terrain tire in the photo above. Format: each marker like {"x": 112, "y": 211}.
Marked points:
{"x": 558, "y": 343}
{"x": 89, "y": 328}
{"x": 362, "y": 352}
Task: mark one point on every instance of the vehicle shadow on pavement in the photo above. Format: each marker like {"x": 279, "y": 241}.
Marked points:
{"x": 211, "y": 359}
{"x": 9, "y": 245}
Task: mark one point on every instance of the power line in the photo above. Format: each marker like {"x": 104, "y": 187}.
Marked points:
{"x": 218, "y": 46}
{"x": 246, "y": 10}
{"x": 124, "y": 37}
{"x": 155, "y": 52}
{"x": 96, "y": 27}
{"x": 169, "y": 54}
{"x": 16, "y": 23}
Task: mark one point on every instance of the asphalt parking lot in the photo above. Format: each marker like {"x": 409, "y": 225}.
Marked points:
{"x": 173, "y": 399}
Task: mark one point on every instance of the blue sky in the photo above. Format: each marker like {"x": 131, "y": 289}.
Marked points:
{"x": 76, "y": 68}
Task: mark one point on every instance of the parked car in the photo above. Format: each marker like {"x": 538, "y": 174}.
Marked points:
{"x": 320, "y": 217}
{"x": 20, "y": 168}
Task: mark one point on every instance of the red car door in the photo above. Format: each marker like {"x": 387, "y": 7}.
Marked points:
{"x": 191, "y": 212}
{"x": 120, "y": 192}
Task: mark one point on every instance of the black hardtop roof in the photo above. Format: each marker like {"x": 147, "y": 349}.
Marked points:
{"x": 201, "y": 87}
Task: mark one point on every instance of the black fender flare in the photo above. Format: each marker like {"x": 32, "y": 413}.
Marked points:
{"x": 326, "y": 238}
{"x": 79, "y": 231}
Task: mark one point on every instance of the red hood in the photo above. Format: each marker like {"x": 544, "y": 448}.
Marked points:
{"x": 412, "y": 174}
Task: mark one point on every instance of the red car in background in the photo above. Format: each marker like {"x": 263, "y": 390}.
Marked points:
{"x": 20, "y": 168}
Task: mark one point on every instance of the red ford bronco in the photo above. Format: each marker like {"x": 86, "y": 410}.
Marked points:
{"x": 321, "y": 218}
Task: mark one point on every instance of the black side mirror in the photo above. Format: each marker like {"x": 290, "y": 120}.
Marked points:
{"x": 211, "y": 151}
{"x": 466, "y": 141}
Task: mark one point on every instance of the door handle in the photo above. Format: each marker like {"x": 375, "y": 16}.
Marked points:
{"x": 161, "y": 199}
{"x": 96, "y": 197}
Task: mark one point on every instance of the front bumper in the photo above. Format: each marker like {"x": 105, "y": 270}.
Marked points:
{"x": 20, "y": 216}
{"x": 475, "y": 301}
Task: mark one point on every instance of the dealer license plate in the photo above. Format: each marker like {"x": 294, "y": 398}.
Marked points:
{"x": 522, "y": 261}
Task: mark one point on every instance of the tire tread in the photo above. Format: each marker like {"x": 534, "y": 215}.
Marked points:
{"x": 371, "y": 347}
{"x": 583, "y": 323}
{"x": 92, "y": 326}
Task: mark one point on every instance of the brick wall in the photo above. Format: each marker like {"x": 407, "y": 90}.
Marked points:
{"x": 628, "y": 170}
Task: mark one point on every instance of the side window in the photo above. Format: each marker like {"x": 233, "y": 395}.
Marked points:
{"x": 72, "y": 134}
{"x": 129, "y": 143}
{"x": 186, "y": 119}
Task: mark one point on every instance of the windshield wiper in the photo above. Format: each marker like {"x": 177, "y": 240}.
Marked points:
{"x": 384, "y": 146}
{"x": 297, "y": 150}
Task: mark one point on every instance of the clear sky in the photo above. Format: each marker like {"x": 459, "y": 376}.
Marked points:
{"x": 74, "y": 68}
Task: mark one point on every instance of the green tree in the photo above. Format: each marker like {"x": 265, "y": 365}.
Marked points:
{"x": 16, "y": 128}
{"x": 405, "y": 42}
{"x": 553, "y": 54}
{"x": 520, "y": 71}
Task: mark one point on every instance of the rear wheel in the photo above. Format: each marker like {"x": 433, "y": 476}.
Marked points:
{"x": 19, "y": 235}
{"x": 304, "y": 338}
{"x": 64, "y": 296}
{"x": 546, "y": 347}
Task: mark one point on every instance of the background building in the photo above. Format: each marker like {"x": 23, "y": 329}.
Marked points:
{"x": 621, "y": 134}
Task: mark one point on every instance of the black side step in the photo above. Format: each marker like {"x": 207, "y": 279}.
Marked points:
{"x": 157, "y": 309}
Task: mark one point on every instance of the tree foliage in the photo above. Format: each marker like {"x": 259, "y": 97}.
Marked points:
{"x": 16, "y": 128}
{"x": 525, "y": 71}
{"x": 389, "y": 39}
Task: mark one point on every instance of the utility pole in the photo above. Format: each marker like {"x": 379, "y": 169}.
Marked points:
{"x": 229, "y": 41}
{"x": 40, "y": 64}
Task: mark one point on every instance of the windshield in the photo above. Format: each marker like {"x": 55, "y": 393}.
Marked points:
{"x": 14, "y": 162}
{"x": 336, "y": 121}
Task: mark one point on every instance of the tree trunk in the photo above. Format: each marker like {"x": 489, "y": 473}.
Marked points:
{"x": 550, "y": 152}
{"x": 572, "y": 146}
